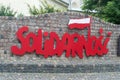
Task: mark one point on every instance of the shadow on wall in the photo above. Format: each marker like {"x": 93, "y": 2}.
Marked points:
{"x": 118, "y": 47}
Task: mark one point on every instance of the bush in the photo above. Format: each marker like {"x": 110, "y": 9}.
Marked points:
{"x": 6, "y": 11}
{"x": 44, "y": 8}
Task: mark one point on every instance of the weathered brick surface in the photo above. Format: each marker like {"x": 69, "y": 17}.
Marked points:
{"x": 56, "y": 22}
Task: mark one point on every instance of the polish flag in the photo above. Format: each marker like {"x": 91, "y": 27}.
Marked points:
{"x": 79, "y": 23}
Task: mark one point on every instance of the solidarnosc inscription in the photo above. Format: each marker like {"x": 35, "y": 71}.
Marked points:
{"x": 73, "y": 44}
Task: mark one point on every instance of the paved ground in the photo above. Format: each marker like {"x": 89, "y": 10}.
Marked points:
{"x": 60, "y": 76}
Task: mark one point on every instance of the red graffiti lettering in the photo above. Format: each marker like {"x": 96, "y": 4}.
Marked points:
{"x": 49, "y": 44}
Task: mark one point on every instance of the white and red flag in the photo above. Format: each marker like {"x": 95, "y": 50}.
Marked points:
{"x": 79, "y": 23}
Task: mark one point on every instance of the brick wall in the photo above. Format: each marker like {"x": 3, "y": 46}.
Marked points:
{"x": 56, "y": 22}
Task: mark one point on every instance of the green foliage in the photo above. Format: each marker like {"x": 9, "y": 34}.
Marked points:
{"x": 108, "y": 10}
{"x": 6, "y": 11}
{"x": 44, "y": 8}
{"x": 20, "y": 15}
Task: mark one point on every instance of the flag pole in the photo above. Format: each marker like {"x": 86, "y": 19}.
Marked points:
{"x": 89, "y": 28}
